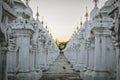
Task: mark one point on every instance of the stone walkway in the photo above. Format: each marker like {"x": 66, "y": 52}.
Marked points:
{"x": 61, "y": 69}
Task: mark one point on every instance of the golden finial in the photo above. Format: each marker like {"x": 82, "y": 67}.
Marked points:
{"x": 46, "y": 27}
{"x": 81, "y": 22}
{"x": 77, "y": 27}
{"x": 96, "y": 1}
{"x": 37, "y": 14}
{"x": 27, "y": 2}
{"x": 86, "y": 15}
{"x": 42, "y": 22}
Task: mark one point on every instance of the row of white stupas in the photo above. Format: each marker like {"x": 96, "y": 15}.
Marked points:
{"x": 95, "y": 49}
{"x": 26, "y": 48}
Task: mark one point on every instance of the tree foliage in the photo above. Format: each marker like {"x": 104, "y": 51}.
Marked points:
{"x": 61, "y": 45}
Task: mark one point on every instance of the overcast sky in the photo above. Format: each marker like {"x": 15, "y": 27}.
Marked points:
{"x": 62, "y": 16}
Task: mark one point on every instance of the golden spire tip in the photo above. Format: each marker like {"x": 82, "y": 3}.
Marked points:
{"x": 42, "y": 20}
{"x": 86, "y": 15}
{"x": 96, "y": 1}
{"x": 81, "y": 22}
{"x": 37, "y": 14}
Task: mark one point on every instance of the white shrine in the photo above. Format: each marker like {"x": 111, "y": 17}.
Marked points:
{"x": 28, "y": 52}
{"x": 27, "y": 48}
{"x": 92, "y": 50}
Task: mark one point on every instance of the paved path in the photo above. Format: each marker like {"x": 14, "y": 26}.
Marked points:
{"x": 61, "y": 69}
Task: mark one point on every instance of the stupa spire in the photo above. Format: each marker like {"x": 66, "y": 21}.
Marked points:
{"x": 86, "y": 15}
{"x": 81, "y": 22}
{"x": 42, "y": 22}
{"x": 37, "y": 14}
{"x": 96, "y": 2}
{"x": 46, "y": 27}
{"x": 77, "y": 27}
